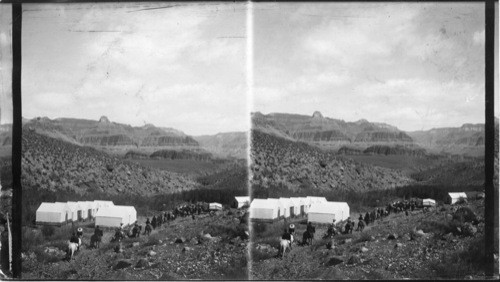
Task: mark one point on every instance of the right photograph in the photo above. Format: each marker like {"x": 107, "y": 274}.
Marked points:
{"x": 368, "y": 141}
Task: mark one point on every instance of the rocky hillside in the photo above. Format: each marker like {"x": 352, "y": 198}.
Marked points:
{"x": 445, "y": 242}
{"x": 327, "y": 131}
{"x": 5, "y": 134}
{"x": 104, "y": 133}
{"x": 228, "y": 144}
{"x": 278, "y": 162}
{"x": 207, "y": 248}
{"x": 49, "y": 163}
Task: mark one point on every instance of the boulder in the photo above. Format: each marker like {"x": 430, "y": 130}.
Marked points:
{"x": 334, "y": 260}
{"x": 180, "y": 240}
{"x": 363, "y": 249}
{"x": 392, "y": 237}
{"x": 135, "y": 244}
{"x": 354, "y": 260}
{"x": 151, "y": 253}
{"x": 122, "y": 264}
{"x": 398, "y": 245}
{"x": 468, "y": 229}
{"x": 187, "y": 249}
{"x": 142, "y": 263}
{"x": 348, "y": 240}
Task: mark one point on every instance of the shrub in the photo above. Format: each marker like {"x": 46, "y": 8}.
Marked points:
{"x": 259, "y": 228}
{"x": 30, "y": 239}
{"x": 442, "y": 228}
{"x": 464, "y": 214}
{"x": 364, "y": 237}
{"x": 48, "y": 230}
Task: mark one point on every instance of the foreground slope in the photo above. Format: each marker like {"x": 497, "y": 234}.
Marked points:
{"x": 423, "y": 245}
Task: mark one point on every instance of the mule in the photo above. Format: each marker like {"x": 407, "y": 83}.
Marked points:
{"x": 72, "y": 248}
{"x": 284, "y": 245}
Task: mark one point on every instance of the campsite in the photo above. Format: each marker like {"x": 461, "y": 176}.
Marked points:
{"x": 424, "y": 244}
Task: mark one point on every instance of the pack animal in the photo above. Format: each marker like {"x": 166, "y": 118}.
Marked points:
{"x": 284, "y": 245}
{"x": 72, "y": 248}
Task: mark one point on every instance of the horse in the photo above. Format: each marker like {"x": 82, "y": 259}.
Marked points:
{"x": 307, "y": 238}
{"x": 285, "y": 244}
{"x": 361, "y": 226}
{"x": 72, "y": 248}
{"x": 95, "y": 241}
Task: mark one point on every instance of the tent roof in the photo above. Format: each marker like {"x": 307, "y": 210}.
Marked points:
{"x": 432, "y": 200}
{"x": 214, "y": 203}
{"x": 115, "y": 211}
{"x": 328, "y": 207}
{"x": 457, "y": 194}
{"x": 52, "y": 207}
{"x": 264, "y": 204}
{"x": 242, "y": 198}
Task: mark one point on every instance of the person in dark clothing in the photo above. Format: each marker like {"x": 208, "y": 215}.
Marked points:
{"x": 74, "y": 238}
{"x": 153, "y": 222}
{"x": 147, "y": 221}
{"x": 367, "y": 218}
{"x": 360, "y": 217}
{"x": 286, "y": 235}
{"x": 311, "y": 229}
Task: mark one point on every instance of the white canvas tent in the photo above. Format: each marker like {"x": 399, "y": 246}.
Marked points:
{"x": 92, "y": 209}
{"x": 215, "y": 206}
{"x": 53, "y": 213}
{"x": 280, "y": 205}
{"x": 114, "y": 215}
{"x": 314, "y": 200}
{"x": 76, "y": 206}
{"x": 241, "y": 201}
{"x": 264, "y": 210}
{"x": 297, "y": 206}
{"x": 428, "y": 202}
{"x": 85, "y": 209}
{"x": 103, "y": 204}
{"x": 73, "y": 211}
{"x": 289, "y": 207}
{"x": 454, "y": 197}
{"x": 326, "y": 212}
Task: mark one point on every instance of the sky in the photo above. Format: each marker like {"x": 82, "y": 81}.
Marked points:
{"x": 6, "y": 64}
{"x": 412, "y": 65}
{"x": 179, "y": 65}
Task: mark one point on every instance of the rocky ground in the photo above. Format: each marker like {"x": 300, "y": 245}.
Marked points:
{"x": 423, "y": 245}
{"x": 209, "y": 247}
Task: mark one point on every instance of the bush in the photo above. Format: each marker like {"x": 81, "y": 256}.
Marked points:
{"x": 48, "y": 230}
{"x": 442, "y": 228}
{"x": 30, "y": 239}
{"x": 464, "y": 214}
{"x": 259, "y": 228}
{"x": 364, "y": 237}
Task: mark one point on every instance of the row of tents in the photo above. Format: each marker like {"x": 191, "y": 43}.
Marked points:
{"x": 105, "y": 213}
{"x": 317, "y": 209}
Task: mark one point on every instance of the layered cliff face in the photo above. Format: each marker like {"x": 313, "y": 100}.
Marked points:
{"x": 278, "y": 162}
{"x": 104, "y": 133}
{"x": 322, "y": 130}
{"x": 467, "y": 139}
{"x": 228, "y": 144}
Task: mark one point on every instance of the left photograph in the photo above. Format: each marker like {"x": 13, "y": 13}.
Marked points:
{"x": 134, "y": 141}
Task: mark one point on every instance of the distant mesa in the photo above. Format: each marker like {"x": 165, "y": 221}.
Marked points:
{"x": 104, "y": 119}
{"x": 317, "y": 114}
